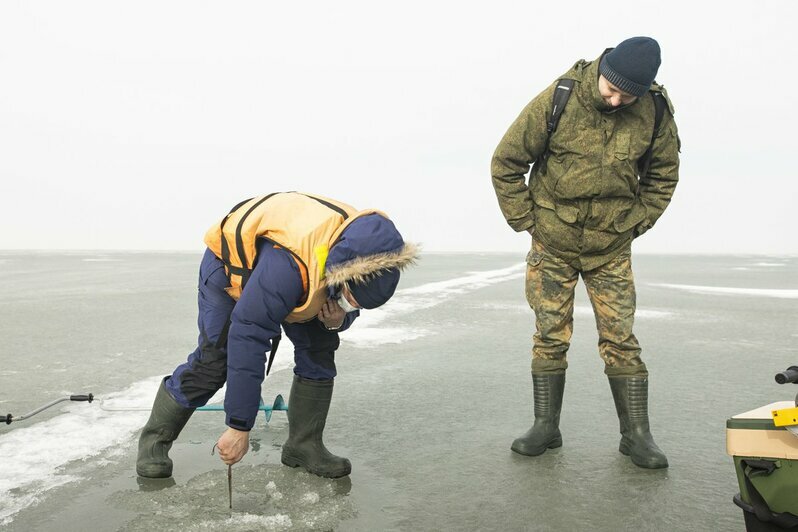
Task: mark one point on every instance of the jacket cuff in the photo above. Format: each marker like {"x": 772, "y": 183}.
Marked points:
{"x": 239, "y": 424}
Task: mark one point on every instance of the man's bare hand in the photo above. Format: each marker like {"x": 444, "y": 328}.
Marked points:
{"x": 331, "y": 314}
{"x": 233, "y": 445}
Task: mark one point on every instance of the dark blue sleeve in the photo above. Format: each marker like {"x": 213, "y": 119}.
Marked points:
{"x": 272, "y": 292}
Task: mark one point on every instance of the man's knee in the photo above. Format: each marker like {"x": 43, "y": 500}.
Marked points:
{"x": 205, "y": 375}
{"x": 316, "y": 365}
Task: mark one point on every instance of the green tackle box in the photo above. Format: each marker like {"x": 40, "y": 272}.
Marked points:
{"x": 766, "y": 462}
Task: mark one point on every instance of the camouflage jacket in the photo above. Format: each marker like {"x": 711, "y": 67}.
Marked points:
{"x": 586, "y": 202}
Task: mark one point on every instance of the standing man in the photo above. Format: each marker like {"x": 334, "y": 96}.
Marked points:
{"x": 601, "y": 177}
{"x": 300, "y": 261}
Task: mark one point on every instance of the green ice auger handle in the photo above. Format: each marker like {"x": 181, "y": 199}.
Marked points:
{"x": 789, "y": 375}
{"x": 88, "y": 398}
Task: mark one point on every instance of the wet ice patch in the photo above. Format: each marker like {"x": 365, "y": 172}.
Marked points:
{"x": 652, "y": 314}
{"x": 265, "y": 497}
{"x": 310, "y": 498}
{"x": 246, "y": 522}
{"x": 12, "y": 502}
{"x": 504, "y": 307}
{"x": 778, "y": 293}
{"x": 374, "y": 337}
{"x": 271, "y": 489}
{"x": 759, "y": 266}
{"x": 366, "y": 331}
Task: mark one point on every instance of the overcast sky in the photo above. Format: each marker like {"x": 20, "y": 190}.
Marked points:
{"x": 137, "y": 125}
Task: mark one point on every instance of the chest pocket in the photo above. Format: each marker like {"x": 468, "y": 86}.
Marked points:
{"x": 622, "y": 145}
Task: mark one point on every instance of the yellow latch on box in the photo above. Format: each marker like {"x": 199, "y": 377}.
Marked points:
{"x": 785, "y": 417}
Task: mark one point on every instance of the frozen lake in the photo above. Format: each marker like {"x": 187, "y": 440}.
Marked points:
{"x": 432, "y": 389}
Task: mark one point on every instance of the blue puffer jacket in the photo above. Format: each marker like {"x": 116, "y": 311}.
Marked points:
{"x": 272, "y": 292}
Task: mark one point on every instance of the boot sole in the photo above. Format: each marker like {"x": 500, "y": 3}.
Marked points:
{"x": 656, "y": 465}
{"x": 153, "y": 472}
{"x": 553, "y": 445}
{"x": 294, "y": 462}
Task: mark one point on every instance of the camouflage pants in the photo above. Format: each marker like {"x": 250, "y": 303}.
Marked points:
{"x": 550, "y": 284}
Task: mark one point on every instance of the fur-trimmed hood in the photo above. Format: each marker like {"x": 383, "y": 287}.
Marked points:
{"x": 368, "y": 247}
{"x": 359, "y": 269}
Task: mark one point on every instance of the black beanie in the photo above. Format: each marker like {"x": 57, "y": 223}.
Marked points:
{"x": 632, "y": 65}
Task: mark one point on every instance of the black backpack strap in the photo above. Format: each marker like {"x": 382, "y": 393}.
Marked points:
{"x": 561, "y": 94}
{"x": 659, "y": 111}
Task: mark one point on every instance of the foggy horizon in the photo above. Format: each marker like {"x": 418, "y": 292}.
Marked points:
{"x": 124, "y": 130}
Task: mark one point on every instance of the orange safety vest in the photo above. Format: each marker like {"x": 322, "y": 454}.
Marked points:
{"x": 307, "y": 225}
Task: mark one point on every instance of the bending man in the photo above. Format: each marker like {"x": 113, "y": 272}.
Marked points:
{"x": 302, "y": 262}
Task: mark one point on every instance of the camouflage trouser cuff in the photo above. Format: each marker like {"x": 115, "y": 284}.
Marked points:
{"x": 544, "y": 365}
{"x": 639, "y": 370}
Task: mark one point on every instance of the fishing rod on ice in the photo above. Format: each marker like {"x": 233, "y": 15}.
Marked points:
{"x": 9, "y": 418}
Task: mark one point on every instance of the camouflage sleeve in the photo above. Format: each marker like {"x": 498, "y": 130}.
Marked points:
{"x": 656, "y": 188}
{"x": 518, "y": 149}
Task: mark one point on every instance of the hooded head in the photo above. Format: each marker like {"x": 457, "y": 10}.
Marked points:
{"x": 368, "y": 258}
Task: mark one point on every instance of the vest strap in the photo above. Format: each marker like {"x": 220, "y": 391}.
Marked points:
{"x": 328, "y": 205}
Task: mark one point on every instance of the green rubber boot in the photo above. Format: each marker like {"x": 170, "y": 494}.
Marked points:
{"x": 307, "y": 415}
{"x": 545, "y": 433}
{"x": 631, "y": 402}
{"x": 166, "y": 421}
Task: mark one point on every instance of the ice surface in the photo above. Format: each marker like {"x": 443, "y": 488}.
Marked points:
{"x": 40, "y": 450}
{"x": 779, "y": 293}
{"x": 88, "y": 430}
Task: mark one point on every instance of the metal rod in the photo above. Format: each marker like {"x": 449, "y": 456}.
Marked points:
{"x": 230, "y": 485}
{"x": 88, "y": 397}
